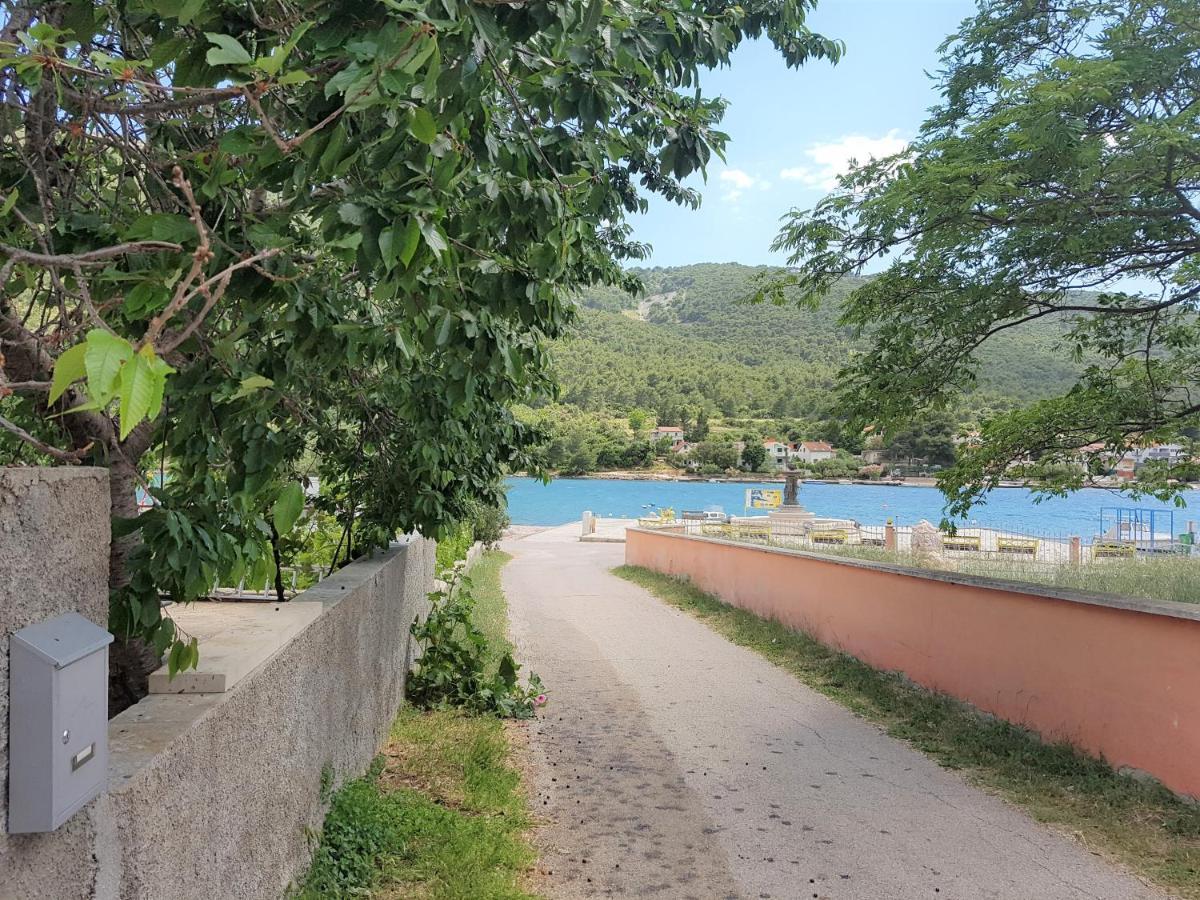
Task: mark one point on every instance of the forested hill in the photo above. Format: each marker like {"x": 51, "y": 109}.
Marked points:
{"x": 691, "y": 342}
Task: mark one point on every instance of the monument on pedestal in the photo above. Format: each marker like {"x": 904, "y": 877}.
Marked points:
{"x": 791, "y": 518}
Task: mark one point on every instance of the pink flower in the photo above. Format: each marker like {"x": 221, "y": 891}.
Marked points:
{"x": 539, "y": 700}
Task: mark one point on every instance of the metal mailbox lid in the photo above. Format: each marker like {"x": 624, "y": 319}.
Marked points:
{"x": 64, "y": 639}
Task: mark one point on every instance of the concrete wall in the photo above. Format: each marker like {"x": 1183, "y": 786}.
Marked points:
{"x": 54, "y": 534}
{"x": 1118, "y": 678}
{"x": 217, "y": 795}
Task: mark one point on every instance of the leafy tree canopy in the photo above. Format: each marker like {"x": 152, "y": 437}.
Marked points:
{"x": 1064, "y": 157}
{"x": 237, "y": 237}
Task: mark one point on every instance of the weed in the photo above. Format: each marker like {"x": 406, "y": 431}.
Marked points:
{"x": 459, "y": 667}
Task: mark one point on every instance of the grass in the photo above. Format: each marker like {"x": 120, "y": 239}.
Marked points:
{"x": 441, "y": 813}
{"x": 490, "y": 614}
{"x": 1138, "y": 824}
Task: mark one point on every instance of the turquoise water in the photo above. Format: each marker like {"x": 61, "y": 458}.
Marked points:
{"x": 532, "y": 503}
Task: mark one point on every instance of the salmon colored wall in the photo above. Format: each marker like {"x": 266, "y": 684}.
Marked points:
{"x": 1121, "y": 684}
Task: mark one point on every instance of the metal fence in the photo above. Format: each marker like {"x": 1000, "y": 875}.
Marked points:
{"x": 1157, "y": 566}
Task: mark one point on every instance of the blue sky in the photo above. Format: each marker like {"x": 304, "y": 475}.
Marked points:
{"x": 792, "y": 130}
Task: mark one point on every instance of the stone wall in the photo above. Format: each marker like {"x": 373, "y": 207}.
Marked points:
{"x": 213, "y": 795}
{"x": 54, "y": 534}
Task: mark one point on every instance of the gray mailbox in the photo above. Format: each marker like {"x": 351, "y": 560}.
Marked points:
{"x": 58, "y": 721}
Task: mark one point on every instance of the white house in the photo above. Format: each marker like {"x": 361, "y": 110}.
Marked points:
{"x": 674, "y": 432}
{"x": 812, "y": 451}
{"x": 1169, "y": 453}
{"x": 777, "y": 452}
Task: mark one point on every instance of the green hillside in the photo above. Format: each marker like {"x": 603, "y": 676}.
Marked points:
{"x": 691, "y": 342}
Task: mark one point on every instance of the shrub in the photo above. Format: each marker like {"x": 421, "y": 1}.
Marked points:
{"x": 453, "y": 671}
{"x": 454, "y": 545}
{"x": 488, "y": 523}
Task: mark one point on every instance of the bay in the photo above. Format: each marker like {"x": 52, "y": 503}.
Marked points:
{"x": 530, "y": 502}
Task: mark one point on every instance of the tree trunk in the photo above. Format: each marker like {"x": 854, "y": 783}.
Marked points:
{"x": 279, "y": 591}
{"x": 131, "y": 660}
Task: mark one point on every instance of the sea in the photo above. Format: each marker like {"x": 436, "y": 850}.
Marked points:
{"x": 1084, "y": 512}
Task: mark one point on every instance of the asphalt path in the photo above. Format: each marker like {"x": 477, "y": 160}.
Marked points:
{"x": 671, "y": 763}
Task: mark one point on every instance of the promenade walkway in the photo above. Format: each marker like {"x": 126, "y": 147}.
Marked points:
{"x": 671, "y": 763}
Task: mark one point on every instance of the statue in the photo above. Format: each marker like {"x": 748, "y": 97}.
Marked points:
{"x": 790, "y": 520}
{"x": 791, "y": 486}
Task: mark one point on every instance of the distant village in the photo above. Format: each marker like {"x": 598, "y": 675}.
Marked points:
{"x": 878, "y": 460}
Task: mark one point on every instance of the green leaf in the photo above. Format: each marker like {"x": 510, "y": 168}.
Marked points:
{"x": 445, "y": 330}
{"x": 160, "y": 369}
{"x": 433, "y": 238}
{"x": 272, "y": 64}
{"x": 296, "y": 76}
{"x": 189, "y": 11}
{"x": 226, "y": 52}
{"x": 409, "y": 241}
{"x": 288, "y": 507}
{"x": 508, "y": 670}
{"x": 105, "y": 355}
{"x": 592, "y": 18}
{"x": 252, "y": 384}
{"x": 388, "y": 248}
{"x": 332, "y": 154}
{"x": 68, "y": 369}
{"x": 137, "y": 391}
{"x": 161, "y": 227}
{"x": 352, "y": 213}
{"x": 422, "y": 126}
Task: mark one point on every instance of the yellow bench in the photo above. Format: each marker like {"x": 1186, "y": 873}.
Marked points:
{"x": 1111, "y": 549}
{"x": 752, "y": 532}
{"x": 664, "y": 517}
{"x": 828, "y": 537}
{"x": 1017, "y": 545}
{"x": 960, "y": 542}
{"x": 713, "y": 529}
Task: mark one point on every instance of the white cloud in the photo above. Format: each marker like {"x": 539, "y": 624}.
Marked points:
{"x": 831, "y": 159}
{"x": 739, "y": 182}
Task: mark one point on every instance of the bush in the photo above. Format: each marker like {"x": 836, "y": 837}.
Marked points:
{"x": 453, "y": 670}
{"x": 454, "y": 545}
{"x": 488, "y": 523}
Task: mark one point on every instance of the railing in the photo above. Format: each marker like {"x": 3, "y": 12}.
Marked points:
{"x": 1166, "y": 568}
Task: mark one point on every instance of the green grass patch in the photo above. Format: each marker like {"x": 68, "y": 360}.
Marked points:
{"x": 1140, "y": 825}
{"x": 490, "y": 614}
{"x": 441, "y": 813}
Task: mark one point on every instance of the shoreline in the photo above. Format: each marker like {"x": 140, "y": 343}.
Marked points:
{"x": 776, "y": 478}
{"x": 749, "y": 478}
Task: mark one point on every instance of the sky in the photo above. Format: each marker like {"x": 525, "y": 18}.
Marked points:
{"x": 793, "y": 130}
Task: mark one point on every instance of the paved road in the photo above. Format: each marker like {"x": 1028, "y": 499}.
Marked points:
{"x": 671, "y": 763}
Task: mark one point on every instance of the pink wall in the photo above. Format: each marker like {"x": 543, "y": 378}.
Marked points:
{"x": 1123, "y": 684}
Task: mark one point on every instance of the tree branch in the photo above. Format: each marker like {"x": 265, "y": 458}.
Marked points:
{"x": 71, "y": 457}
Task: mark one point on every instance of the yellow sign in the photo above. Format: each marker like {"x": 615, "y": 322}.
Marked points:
{"x": 763, "y": 498}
